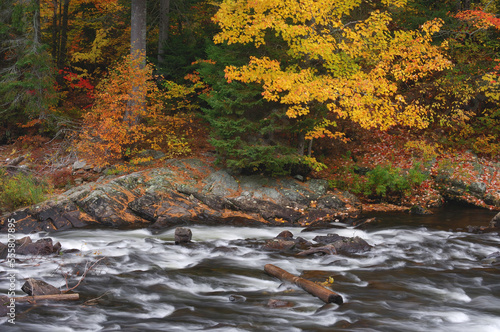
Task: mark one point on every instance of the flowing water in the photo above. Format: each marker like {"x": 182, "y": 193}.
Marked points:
{"x": 419, "y": 276}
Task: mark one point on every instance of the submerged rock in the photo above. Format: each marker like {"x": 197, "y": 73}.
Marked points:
{"x": 274, "y": 303}
{"x": 493, "y": 259}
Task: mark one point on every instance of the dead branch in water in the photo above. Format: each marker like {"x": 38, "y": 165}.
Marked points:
{"x": 54, "y": 297}
{"x": 87, "y": 269}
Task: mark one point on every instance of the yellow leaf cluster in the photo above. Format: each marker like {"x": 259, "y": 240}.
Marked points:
{"x": 98, "y": 45}
{"x": 354, "y": 68}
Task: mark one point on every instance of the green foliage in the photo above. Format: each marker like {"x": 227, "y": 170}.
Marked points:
{"x": 247, "y": 132}
{"x": 20, "y": 190}
{"x": 26, "y": 73}
{"x": 385, "y": 181}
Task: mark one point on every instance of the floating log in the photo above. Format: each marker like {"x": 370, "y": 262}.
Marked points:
{"x": 320, "y": 292}
{"x": 54, "y": 297}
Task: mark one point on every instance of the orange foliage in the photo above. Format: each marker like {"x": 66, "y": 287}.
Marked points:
{"x": 129, "y": 92}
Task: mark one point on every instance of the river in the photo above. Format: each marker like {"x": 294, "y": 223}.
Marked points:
{"x": 422, "y": 274}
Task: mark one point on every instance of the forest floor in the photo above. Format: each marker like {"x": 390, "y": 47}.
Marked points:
{"x": 52, "y": 161}
{"x": 404, "y": 150}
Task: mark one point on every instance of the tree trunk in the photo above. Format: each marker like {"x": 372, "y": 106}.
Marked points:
{"x": 320, "y": 292}
{"x": 55, "y": 29}
{"x": 309, "y": 148}
{"x": 138, "y": 51}
{"x": 37, "y": 30}
{"x": 302, "y": 144}
{"x": 61, "y": 59}
{"x": 163, "y": 28}
{"x": 138, "y": 30}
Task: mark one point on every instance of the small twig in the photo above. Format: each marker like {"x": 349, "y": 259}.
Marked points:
{"x": 94, "y": 300}
{"x": 83, "y": 276}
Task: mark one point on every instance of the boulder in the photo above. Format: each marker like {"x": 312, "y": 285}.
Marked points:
{"x": 79, "y": 164}
{"x": 419, "y": 210}
{"x": 279, "y": 245}
{"x": 4, "y": 302}
{"x": 331, "y": 202}
{"x": 495, "y": 222}
{"x": 40, "y": 247}
{"x": 329, "y": 249}
{"x": 344, "y": 245}
{"x": 35, "y": 287}
{"x": 3, "y": 251}
{"x": 183, "y": 235}
{"x": 285, "y": 242}
{"x": 220, "y": 183}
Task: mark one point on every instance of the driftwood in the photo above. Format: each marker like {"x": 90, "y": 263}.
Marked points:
{"x": 54, "y": 297}
{"x": 320, "y": 292}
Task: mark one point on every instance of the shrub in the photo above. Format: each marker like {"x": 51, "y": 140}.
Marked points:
{"x": 385, "y": 181}
{"x": 20, "y": 190}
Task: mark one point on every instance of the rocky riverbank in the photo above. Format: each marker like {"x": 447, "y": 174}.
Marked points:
{"x": 186, "y": 191}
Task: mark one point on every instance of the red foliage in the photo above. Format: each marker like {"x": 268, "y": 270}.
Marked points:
{"x": 479, "y": 19}
{"x": 75, "y": 81}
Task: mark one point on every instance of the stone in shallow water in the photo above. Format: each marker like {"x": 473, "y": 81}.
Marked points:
{"x": 344, "y": 245}
{"x": 35, "y": 287}
{"x": 183, "y": 235}
{"x": 273, "y": 303}
{"x": 40, "y": 247}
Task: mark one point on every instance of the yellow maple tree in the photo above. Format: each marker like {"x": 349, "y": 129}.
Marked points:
{"x": 354, "y": 67}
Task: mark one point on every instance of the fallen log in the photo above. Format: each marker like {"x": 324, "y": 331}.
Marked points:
{"x": 54, "y": 297}
{"x": 320, "y": 292}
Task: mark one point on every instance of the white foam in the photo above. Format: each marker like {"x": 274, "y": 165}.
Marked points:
{"x": 456, "y": 294}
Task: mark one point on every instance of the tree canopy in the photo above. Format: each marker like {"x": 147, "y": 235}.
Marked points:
{"x": 269, "y": 77}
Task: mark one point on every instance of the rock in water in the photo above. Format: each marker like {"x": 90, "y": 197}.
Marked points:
{"x": 35, "y": 287}
{"x": 40, "y": 247}
{"x": 344, "y": 245}
{"x": 495, "y": 222}
{"x": 183, "y": 235}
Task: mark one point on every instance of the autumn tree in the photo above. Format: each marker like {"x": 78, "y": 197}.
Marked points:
{"x": 107, "y": 137}
{"x": 464, "y": 98}
{"x": 468, "y": 98}
{"x": 356, "y": 68}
